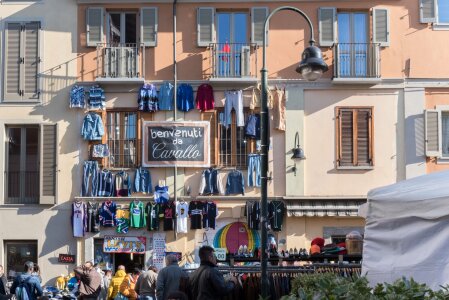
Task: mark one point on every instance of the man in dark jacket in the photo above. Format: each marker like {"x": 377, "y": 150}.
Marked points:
{"x": 207, "y": 282}
{"x": 169, "y": 278}
{"x": 90, "y": 281}
{"x": 31, "y": 283}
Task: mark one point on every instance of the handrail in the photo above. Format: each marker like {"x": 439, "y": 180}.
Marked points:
{"x": 356, "y": 60}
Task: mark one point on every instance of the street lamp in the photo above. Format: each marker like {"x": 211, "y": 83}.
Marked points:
{"x": 311, "y": 68}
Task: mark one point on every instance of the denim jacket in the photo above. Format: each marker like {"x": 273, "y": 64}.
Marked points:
{"x": 142, "y": 181}
{"x": 92, "y": 128}
{"x": 123, "y": 186}
{"x": 166, "y": 96}
{"x": 235, "y": 183}
{"x": 210, "y": 183}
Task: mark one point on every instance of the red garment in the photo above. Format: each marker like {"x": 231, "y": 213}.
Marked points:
{"x": 205, "y": 97}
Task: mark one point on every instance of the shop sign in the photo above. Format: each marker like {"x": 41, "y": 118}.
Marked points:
{"x": 182, "y": 144}
{"x": 66, "y": 258}
{"x": 220, "y": 253}
{"x": 124, "y": 244}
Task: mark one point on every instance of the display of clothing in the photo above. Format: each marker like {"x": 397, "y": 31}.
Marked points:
{"x": 108, "y": 211}
{"x": 169, "y": 210}
{"x": 279, "y": 109}
{"x": 252, "y": 212}
{"x": 257, "y": 96}
{"x": 235, "y": 183}
{"x": 77, "y": 97}
{"x": 122, "y": 184}
{"x": 210, "y": 213}
{"x": 93, "y": 217}
{"x": 184, "y": 97}
{"x": 182, "y": 212}
{"x": 137, "y": 215}
{"x": 147, "y": 99}
{"x": 97, "y": 100}
{"x": 142, "y": 181}
{"x": 153, "y": 212}
{"x": 122, "y": 220}
{"x": 79, "y": 218}
{"x": 254, "y": 178}
{"x": 252, "y": 126}
{"x": 92, "y": 128}
{"x": 276, "y": 210}
{"x": 90, "y": 178}
{"x": 106, "y": 184}
{"x": 205, "y": 97}
{"x": 211, "y": 183}
{"x": 234, "y": 99}
{"x": 166, "y": 96}
{"x": 195, "y": 213}
{"x": 100, "y": 150}
{"x": 161, "y": 194}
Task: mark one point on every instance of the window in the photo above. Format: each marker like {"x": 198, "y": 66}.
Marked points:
{"x": 17, "y": 253}
{"x": 434, "y": 11}
{"x": 437, "y": 132}
{"x": 122, "y": 28}
{"x": 27, "y": 180}
{"x": 354, "y": 137}
{"x": 122, "y": 139}
{"x": 22, "y": 60}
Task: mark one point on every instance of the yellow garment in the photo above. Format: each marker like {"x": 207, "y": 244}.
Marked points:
{"x": 114, "y": 286}
{"x": 127, "y": 287}
{"x": 257, "y": 96}
{"x": 60, "y": 282}
{"x": 121, "y": 213}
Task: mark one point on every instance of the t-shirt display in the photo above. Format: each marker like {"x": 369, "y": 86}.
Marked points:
{"x": 79, "y": 221}
{"x": 93, "y": 217}
{"x": 169, "y": 210}
{"x": 108, "y": 211}
{"x": 210, "y": 213}
{"x": 122, "y": 220}
{"x": 276, "y": 211}
{"x": 152, "y": 213}
{"x": 137, "y": 215}
{"x": 195, "y": 213}
{"x": 182, "y": 212}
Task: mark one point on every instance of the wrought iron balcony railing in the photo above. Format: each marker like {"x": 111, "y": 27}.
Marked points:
{"x": 22, "y": 187}
{"x": 233, "y": 60}
{"x": 356, "y": 60}
{"x": 120, "y": 61}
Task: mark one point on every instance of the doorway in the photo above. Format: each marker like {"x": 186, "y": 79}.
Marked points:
{"x": 137, "y": 261}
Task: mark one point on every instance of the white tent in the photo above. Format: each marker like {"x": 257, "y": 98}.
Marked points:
{"x": 407, "y": 231}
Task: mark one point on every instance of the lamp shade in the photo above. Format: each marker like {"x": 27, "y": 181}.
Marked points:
{"x": 312, "y": 64}
{"x": 298, "y": 153}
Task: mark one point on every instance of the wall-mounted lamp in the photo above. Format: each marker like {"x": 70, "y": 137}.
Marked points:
{"x": 298, "y": 153}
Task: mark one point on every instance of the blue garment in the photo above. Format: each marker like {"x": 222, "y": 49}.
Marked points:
{"x": 142, "y": 181}
{"x": 105, "y": 184}
{"x": 147, "y": 99}
{"x": 77, "y": 97}
{"x": 210, "y": 182}
{"x": 161, "y": 194}
{"x": 235, "y": 184}
{"x": 166, "y": 96}
{"x": 184, "y": 98}
{"x": 123, "y": 186}
{"x": 234, "y": 99}
{"x": 96, "y": 98}
{"x": 254, "y": 170}
{"x": 92, "y": 128}
{"x": 31, "y": 283}
{"x": 90, "y": 178}
{"x": 252, "y": 128}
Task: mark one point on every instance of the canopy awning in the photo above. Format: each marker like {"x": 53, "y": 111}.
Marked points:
{"x": 324, "y": 207}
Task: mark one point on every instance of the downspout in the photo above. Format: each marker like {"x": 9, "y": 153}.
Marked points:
{"x": 175, "y": 92}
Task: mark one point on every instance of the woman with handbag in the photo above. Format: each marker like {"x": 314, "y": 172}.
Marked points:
{"x": 128, "y": 285}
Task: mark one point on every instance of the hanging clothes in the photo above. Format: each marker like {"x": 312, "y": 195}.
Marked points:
{"x": 234, "y": 99}
{"x": 137, "y": 215}
{"x": 93, "y": 217}
{"x": 108, "y": 211}
{"x": 106, "y": 184}
{"x": 92, "y": 128}
{"x": 161, "y": 194}
{"x": 97, "y": 98}
{"x": 184, "y": 100}
{"x": 210, "y": 213}
{"x": 252, "y": 212}
{"x": 252, "y": 126}
{"x": 122, "y": 220}
{"x": 195, "y": 213}
{"x": 169, "y": 209}
{"x": 257, "y": 96}
{"x": 122, "y": 184}
{"x": 79, "y": 218}
{"x": 142, "y": 181}
{"x": 254, "y": 178}
{"x": 211, "y": 183}
{"x": 235, "y": 183}
{"x": 205, "y": 97}
{"x": 279, "y": 109}
{"x": 100, "y": 150}
{"x": 153, "y": 212}
{"x": 166, "y": 96}
{"x": 276, "y": 211}
{"x": 77, "y": 97}
{"x": 90, "y": 178}
{"x": 147, "y": 99}
{"x": 182, "y": 212}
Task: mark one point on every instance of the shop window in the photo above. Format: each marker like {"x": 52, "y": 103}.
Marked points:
{"x": 354, "y": 137}
{"x": 17, "y": 253}
{"x": 122, "y": 139}
{"x": 104, "y": 260}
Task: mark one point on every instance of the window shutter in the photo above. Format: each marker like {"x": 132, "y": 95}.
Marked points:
{"x": 381, "y": 26}
{"x": 148, "y": 21}
{"x": 346, "y": 138}
{"x": 432, "y": 134}
{"x": 212, "y": 118}
{"x": 364, "y": 153}
{"x": 31, "y": 61}
{"x": 327, "y": 26}
{"x": 427, "y": 11}
{"x": 205, "y": 26}
{"x": 48, "y": 164}
{"x": 94, "y": 22}
{"x": 258, "y": 16}
{"x": 12, "y": 61}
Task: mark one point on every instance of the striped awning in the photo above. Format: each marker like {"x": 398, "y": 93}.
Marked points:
{"x": 324, "y": 207}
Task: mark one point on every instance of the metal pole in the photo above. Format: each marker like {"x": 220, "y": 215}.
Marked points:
{"x": 265, "y": 137}
{"x": 175, "y": 87}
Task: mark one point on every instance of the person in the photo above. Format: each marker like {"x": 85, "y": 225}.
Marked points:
{"x": 129, "y": 283}
{"x": 169, "y": 277}
{"x": 90, "y": 281}
{"x": 105, "y": 286}
{"x": 178, "y": 295}
{"x": 146, "y": 284}
{"x": 116, "y": 282}
{"x": 31, "y": 283}
{"x": 4, "y": 291}
{"x": 37, "y": 272}
{"x": 207, "y": 282}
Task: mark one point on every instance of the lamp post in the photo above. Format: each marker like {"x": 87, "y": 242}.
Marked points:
{"x": 311, "y": 68}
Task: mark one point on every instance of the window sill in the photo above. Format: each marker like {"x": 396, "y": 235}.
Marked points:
{"x": 440, "y": 26}
{"x": 355, "y": 168}
{"x": 443, "y": 160}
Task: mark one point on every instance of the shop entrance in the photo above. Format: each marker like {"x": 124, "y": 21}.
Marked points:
{"x": 137, "y": 261}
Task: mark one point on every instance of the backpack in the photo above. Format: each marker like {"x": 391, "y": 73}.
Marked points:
{"x": 21, "y": 291}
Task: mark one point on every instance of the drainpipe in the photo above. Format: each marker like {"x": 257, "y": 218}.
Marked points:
{"x": 175, "y": 90}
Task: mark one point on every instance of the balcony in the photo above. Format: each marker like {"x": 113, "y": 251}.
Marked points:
{"x": 356, "y": 63}
{"x": 22, "y": 187}
{"x": 233, "y": 62}
{"x": 121, "y": 63}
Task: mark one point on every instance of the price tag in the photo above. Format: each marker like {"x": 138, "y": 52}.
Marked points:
{"x": 220, "y": 253}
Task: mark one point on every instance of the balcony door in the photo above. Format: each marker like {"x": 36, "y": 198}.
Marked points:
{"x": 232, "y": 51}
{"x": 353, "y": 43}
{"x": 122, "y": 28}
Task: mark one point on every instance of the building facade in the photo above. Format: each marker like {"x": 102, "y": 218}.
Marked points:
{"x": 376, "y": 117}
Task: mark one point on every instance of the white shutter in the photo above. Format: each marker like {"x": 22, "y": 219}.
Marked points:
{"x": 427, "y": 11}
{"x": 94, "y": 26}
{"x": 31, "y": 61}
{"x": 246, "y": 61}
{"x": 433, "y": 132}
{"x": 148, "y": 26}
{"x": 258, "y": 16}
{"x": 48, "y": 163}
{"x": 381, "y": 26}
{"x": 327, "y": 28}
{"x": 12, "y": 61}
{"x": 205, "y": 26}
